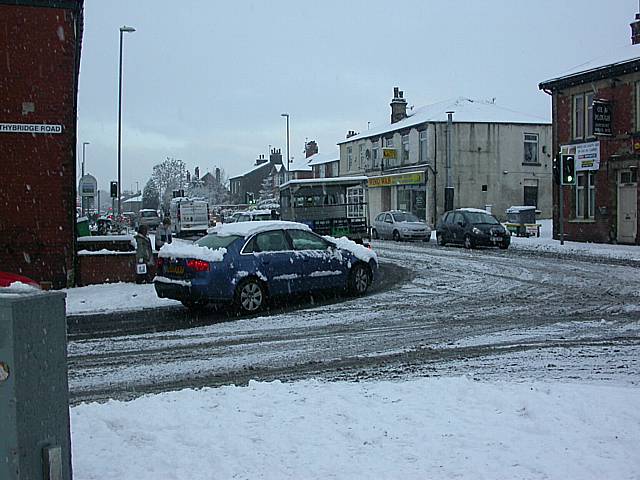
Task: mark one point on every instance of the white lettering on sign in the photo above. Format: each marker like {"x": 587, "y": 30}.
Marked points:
{"x": 29, "y": 128}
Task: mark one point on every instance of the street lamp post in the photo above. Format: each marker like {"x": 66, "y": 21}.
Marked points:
{"x": 82, "y": 198}
{"x": 123, "y": 29}
{"x": 286, "y": 115}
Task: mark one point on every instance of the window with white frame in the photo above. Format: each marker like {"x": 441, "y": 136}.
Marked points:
{"x": 582, "y": 115}
{"x": 530, "y": 148}
{"x": 390, "y": 162}
{"x": 423, "y": 146}
{"x": 349, "y": 158}
{"x": 405, "y": 148}
{"x": 361, "y": 157}
{"x": 355, "y": 202}
{"x": 585, "y": 190}
{"x": 375, "y": 154}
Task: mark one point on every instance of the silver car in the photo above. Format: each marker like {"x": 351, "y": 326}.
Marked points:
{"x": 399, "y": 225}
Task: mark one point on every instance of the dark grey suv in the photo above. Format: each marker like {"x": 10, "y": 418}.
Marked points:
{"x": 472, "y": 227}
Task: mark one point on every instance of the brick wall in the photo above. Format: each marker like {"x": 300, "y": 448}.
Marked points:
{"x": 109, "y": 268}
{"x": 37, "y": 198}
{"x": 620, "y": 93}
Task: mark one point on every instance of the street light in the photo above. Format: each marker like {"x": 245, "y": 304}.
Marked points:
{"x": 123, "y": 29}
{"x": 84, "y": 144}
{"x": 287, "y": 117}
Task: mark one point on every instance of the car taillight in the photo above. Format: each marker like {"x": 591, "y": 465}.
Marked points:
{"x": 198, "y": 265}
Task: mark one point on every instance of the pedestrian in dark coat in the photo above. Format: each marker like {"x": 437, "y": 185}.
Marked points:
{"x": 144, "y": 255}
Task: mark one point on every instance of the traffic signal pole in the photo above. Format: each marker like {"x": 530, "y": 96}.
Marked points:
{"x": 561, "y": 206}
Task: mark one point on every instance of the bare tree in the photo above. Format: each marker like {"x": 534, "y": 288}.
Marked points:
{"x": 168, "y": 176}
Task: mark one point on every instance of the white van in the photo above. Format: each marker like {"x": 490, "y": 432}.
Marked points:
{"x": 188, "y": 216}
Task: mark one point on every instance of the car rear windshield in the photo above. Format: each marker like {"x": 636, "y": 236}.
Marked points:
{"x": 476, "y": 217}
{"x": 148, "y": 214}
{"x": 216, "y": 241}
{"x": 405, "y": 217}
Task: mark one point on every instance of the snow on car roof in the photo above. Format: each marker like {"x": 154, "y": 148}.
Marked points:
{"x": 476, "y": 210}
{"x": 244, "y": 229}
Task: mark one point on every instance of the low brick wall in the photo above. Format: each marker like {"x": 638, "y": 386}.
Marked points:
{"x": 110, "y": 267}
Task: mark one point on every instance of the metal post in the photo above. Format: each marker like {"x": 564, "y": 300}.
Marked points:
{"x": 561, "y": 207}
{"x": 286, "y": 115}
{"x": 123, "y": 29}
{"x": 82, "y": 197}
{"x": 449, "y": 189}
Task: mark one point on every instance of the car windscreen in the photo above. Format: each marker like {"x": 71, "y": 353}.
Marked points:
{"x": 217, "y": 241}
{"x": 478, "y": 217}
{"x": 405, "y": 217}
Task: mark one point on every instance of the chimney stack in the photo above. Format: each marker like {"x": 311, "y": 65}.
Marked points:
{"x": 635, "y": 30}
{"x": 196, "y": 173}
{"x": 351, "y": 133}
{"x": 398, "y": 106}
{"x": 261, "y": 159}
{"x": 311, "y": 148}
{"x": 276, "y": 156}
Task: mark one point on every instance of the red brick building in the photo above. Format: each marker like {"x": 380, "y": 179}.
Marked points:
{"x": 596, "y": 119}
{"x": 40, "y": 44}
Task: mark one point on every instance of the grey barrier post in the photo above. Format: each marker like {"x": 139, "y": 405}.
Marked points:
{"x": 34, "y": 395}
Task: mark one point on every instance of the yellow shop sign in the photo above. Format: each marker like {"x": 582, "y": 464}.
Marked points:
{"x": 414, "y": 178}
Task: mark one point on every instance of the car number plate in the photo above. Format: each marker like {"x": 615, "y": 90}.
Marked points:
{"x": 176, "y": 269}
{"x": 496, "y": 239}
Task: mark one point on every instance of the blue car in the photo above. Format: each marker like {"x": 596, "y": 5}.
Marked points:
{"x": 246, "y": 263}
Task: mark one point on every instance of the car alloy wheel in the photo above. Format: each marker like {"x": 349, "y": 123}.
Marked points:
{"x": 250, "y": 296}
{"x": 468, "y": 243}
{"x": 359, "y": 279}
{"x": 396, "y": 235}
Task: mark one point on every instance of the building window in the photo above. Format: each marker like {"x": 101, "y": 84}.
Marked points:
{"x": 585, "y": 195}
{"x": 349, "y": 158}
{"x": 530, "y": 148}
{"x": 578, "y": 116}
{"x": 423, "y": 146}
{"x": 405, "y": 148}
{"x": 322, "y": 170}
{"x": 361, "y": 157}
{"x": 583, "y": 115}
{"x": 389, "y": 142}
{"x": 375, "y": 154}
{"x": 355, "y": 202}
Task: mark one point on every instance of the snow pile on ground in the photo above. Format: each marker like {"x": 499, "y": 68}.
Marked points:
{"x": 546, "y": 243}
{"x": 423, "y": 428}
{"x": 113, "y": 297}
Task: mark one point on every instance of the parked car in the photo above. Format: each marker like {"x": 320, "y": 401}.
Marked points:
{"x": 472, "y": 227}
{"x": 399, "y": 225}
{"x": 149, "y": 217}
{"x": 245, "y": 263}
{"x": 8, "y": 278}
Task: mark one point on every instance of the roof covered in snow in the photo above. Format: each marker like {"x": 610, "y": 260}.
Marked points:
{"x": 465, "y": 110}
{"x": 300, "y": 165}
{"x": 619, "y": 57}
{"x": 322, "y": 158}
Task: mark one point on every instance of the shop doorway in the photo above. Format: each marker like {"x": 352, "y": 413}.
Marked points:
{"x": 386, "y": 199}
{"x": 627, "y": 205}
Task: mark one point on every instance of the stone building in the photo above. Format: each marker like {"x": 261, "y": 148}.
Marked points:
{"x": 499, "y": 158}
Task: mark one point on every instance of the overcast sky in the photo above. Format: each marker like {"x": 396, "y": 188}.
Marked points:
{"x": 206, "y": 81}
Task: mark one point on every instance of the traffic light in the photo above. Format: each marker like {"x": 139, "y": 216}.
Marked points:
{"x": 568, "y": 170}
{"x": 114, "y": 189}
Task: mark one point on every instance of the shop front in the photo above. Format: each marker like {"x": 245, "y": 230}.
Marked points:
{"x": 401, "y": 191}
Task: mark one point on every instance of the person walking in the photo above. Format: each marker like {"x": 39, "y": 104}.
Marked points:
{"x": 163, "y": 233}
{"x": 144, "y": 255}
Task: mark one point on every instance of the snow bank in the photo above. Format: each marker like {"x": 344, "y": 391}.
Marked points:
{"x": 19, "y": 287}
{"x": 190, "y": 250}
{"x": 423, "y": 428}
